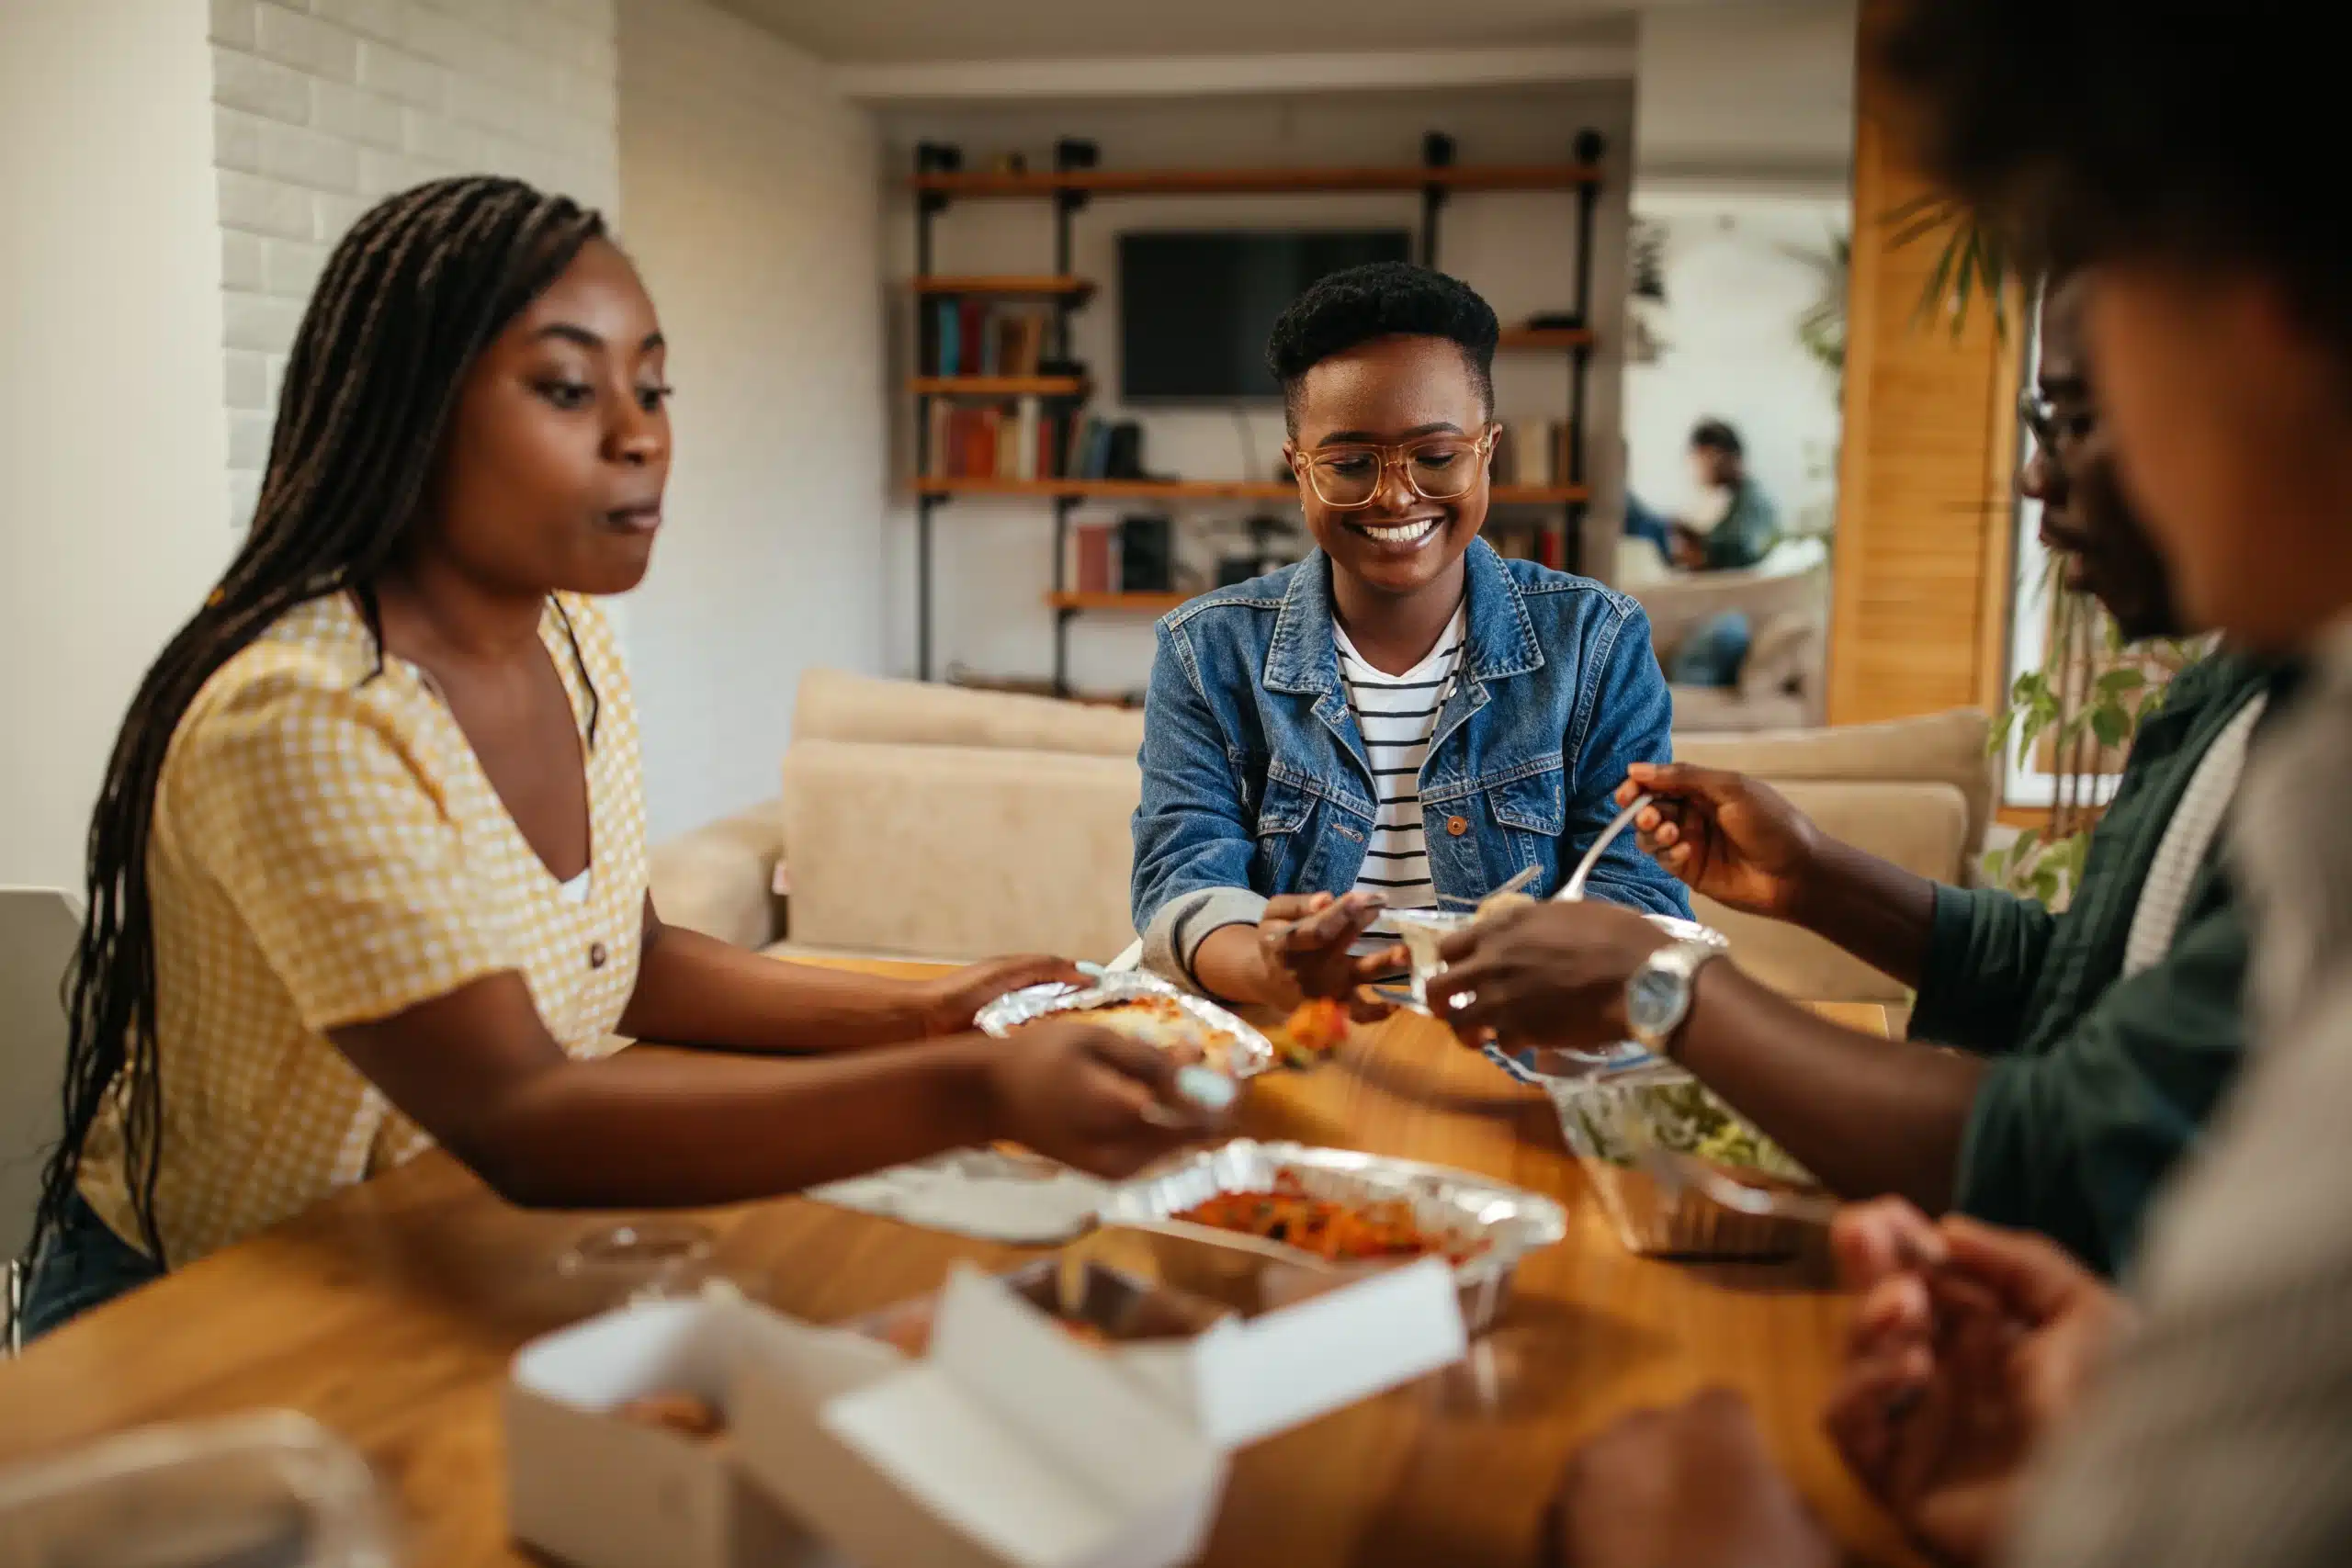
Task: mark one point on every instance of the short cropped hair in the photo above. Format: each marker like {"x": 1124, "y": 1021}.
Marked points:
{"x": 1381, "y": 299}
{"x": 1714, "y": 436}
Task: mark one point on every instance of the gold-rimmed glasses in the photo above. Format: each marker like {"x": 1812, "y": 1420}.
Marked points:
{"x": 1436, "y": 468}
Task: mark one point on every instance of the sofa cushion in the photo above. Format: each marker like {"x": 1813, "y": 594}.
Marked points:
{"x": 837, "y": 707}
{"x": 1714, "y": 710}
{"x": 958, "y": 852}
{"x": 1947, "y": 748}
{"x": 720, "y": 879}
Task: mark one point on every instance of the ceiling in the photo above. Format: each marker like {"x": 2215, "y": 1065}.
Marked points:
{"x": 862, "y": 32}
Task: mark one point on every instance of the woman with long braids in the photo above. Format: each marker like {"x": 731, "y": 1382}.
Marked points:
{"x": 367, "y": 870}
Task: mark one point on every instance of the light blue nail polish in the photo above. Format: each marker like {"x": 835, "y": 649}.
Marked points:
{"x": 1206, "y": 1088}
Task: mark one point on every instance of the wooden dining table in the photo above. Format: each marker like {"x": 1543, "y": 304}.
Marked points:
{"x": 391, "y": 1311}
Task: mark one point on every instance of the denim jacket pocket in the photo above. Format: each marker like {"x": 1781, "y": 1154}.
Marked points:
{"x": 1282, "y": 833}
{"x": 1529, "y": 813}
{"x": 1532, "y": 804}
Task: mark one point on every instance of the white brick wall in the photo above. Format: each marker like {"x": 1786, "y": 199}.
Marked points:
{"x": 321, "y": 107}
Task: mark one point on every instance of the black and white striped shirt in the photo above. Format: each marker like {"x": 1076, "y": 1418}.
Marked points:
{"x": 1398, "y": 713}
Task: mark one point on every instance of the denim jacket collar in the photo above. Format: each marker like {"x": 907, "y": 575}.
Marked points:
{"x": 1304, "y": 659}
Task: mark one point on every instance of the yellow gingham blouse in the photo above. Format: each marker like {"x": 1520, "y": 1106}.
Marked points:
{"x": 327, "y": 851}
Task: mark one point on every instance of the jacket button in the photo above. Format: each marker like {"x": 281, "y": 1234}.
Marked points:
{"x": 596, "y": 956}
{"x": 1457, "y": 826}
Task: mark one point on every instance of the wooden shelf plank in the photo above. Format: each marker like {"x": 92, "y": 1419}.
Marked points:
{"x": 1114, "y": 490}
{"x": 1545, "y": 337}
{"x": 1256, "y": 182}
{"x": 1128, "y": 604}
{"x": 1040, "y": 288}
{"x": 1203, "y": 489}
{"x": 999, "y": 386}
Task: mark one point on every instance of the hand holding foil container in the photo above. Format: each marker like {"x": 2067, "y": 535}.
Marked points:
{"x": 1145, "y": 1005}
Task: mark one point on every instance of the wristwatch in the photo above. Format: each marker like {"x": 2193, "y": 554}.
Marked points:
{"x": 1658, "y": 995}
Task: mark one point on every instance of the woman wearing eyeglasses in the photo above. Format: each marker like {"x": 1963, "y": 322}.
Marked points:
{"x": 1403, "y": 719}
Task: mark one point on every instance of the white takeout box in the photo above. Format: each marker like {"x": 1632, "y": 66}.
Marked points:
{"x": 1010, "y": 1445}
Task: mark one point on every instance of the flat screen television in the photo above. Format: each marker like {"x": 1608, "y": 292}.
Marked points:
{"x": 1195, "y": 308}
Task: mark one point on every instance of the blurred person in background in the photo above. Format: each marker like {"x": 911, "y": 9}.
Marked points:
{"x": 1734, "y": 526}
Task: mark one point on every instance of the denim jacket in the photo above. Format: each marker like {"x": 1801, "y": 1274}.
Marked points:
{"x": 1256, "y": 781}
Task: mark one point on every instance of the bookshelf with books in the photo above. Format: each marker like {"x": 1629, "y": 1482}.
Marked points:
{"x": 1001, "y": 407}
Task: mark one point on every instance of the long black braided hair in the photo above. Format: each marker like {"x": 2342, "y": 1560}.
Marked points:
{"x": 414, "y": 293}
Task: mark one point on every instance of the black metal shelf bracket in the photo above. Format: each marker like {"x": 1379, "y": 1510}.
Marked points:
{"x": 1436, "y": 152}
{"x": 930, "y": 157}
{"x": 1589, "y": 146}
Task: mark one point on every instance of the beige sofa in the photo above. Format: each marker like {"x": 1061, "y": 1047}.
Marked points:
{"x": 929, "y": 821}
{"x": 1783, "y": 679}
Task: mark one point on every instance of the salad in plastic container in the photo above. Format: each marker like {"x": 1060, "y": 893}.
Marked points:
{"x": 1607, "y": 1116}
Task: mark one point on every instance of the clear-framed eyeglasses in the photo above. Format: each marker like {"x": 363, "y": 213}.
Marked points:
{"x": 1436, "y": 468}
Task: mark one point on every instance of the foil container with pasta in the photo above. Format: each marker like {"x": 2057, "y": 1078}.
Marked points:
{"x": 1246, "y": 1050}
{"x": 1490, "y": 1225}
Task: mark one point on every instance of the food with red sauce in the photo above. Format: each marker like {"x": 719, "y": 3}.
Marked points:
{"x": 1341, "y": 1233}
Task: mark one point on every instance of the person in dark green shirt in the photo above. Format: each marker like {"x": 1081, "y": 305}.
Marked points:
{"x": 1741, "y": 532}
{"x": 2093, "y": 1043}
{"x": 1747, "y": 525}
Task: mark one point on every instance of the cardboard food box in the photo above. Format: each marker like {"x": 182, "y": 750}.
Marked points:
{"x": 1009, "y": 1445}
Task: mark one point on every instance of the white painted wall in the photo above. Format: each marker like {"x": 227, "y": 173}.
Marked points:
{"x": 752, "y": 193}
{"x": 111, "y": 428}
{"x": 1734, "y": 294}
{"x": 994, "y": 559}
{"x": 1744, "y": 133}
{"x": 324, "y": 107}
{"x": 1763, "y": 89}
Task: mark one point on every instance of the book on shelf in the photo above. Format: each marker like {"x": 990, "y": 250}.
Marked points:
{"x": 971, "y": 333}
{"x": 1024, "y": 439}
{"x": 948, "y": 348}
{"x": 1528, "y": 448}
{"x": 1092, "y": 563}
{"x": 974, "y": 337}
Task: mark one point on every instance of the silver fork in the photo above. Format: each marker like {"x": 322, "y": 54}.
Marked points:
{"x": 1573, "y": 889}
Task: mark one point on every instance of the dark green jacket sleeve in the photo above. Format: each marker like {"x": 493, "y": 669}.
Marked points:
{"x": 1984, "y": 952}
{"x": 2073, "y": 1142}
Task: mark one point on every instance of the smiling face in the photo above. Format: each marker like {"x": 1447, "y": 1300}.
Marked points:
{"x": 1388, "y": 391}
{"x": 551, "y": 473}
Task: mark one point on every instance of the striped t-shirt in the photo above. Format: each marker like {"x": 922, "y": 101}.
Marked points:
{"x": 1396, "y": 713}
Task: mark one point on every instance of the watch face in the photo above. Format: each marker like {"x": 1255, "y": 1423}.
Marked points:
{"x": 1652, "y": 999}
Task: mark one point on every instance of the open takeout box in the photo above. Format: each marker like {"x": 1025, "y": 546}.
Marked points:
{"x": 1008, "y": 1444}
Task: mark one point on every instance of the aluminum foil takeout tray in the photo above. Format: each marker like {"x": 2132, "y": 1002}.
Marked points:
{"x": 1251, "y": 1052}
{"x": 1505, "y": 1223}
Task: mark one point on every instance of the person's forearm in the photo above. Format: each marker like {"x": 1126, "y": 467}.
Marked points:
{"x": 1871, "y": 907}
{"x": 1231, "y": 966}
{"x": 696, "y": 990}
{"x": 655, "y": 1129}
{"x": 1867, "y": 1115}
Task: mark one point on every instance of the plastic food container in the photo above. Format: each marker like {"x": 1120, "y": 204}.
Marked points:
{"x": 1496, "y": 1225}
{"x": 1605, "y": 1115}
{"x": 275, "y": 1489}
